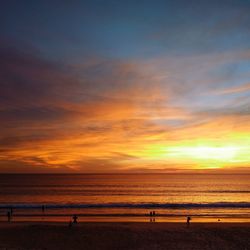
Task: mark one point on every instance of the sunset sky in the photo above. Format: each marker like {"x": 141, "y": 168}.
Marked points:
{"x": 124, "y": 86}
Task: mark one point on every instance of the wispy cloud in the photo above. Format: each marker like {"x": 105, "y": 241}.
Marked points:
{"x": 236, "y": 89}
{"x": 115, "y": 115}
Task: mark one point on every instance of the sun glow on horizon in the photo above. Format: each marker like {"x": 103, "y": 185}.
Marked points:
{"x": 224, "y": 153}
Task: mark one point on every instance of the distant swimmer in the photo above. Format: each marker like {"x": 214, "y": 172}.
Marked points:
{"x": 75, "y": 219}
{"x": 188, "y": 221}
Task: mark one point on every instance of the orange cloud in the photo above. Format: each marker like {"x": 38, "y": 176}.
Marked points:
{"x": 105, "y": 116}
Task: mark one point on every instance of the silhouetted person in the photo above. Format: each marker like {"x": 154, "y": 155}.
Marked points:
{"x": 9, "y": 216}
{"x": 153, "y": 213}
{"x": 150, "y": 213}
{"x": 188, "y": 221}
{"x": 152, "y": 219}
{"x": 75, "y": 219}
{"x": 70, "y": 223}
{"x": 43, "y": 208}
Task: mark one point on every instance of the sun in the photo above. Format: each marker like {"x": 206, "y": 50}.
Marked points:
{"x": 223, "y": 153}
{"x": 216, "y": 153}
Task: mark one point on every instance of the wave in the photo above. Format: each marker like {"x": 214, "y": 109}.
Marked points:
{"x": 132, "y": 205}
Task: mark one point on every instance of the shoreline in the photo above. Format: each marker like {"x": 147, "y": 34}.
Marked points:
{"x": 122, "y": 219}
{"x": 80, "y": 224}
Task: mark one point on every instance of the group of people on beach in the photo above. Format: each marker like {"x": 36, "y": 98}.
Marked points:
{"x": 152, "y": 215}
{"x": 74, "y": 220}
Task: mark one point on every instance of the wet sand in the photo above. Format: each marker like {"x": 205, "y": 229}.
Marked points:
{"x": 200, "y": 236}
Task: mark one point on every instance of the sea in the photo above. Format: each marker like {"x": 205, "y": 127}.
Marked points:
{"x": 125, "y": 197}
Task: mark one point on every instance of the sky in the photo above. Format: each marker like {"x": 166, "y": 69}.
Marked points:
{"x": 124, "y": 86}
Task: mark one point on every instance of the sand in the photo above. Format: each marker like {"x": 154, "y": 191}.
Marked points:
{"x": 136, "y": 235}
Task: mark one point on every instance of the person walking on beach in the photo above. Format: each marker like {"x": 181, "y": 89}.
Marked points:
{"x": 188, "y": 221}
{"x": 9, "y": 216}
{"x": 70, "y": 223}
{"x": 75, "y": 219}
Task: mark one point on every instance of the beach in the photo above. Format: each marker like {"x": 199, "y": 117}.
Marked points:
{"x": 115, "y": 235}
{"x": 114, "y": 212}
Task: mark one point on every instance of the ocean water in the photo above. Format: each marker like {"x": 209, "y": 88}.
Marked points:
{"x": 125, "y": 197}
